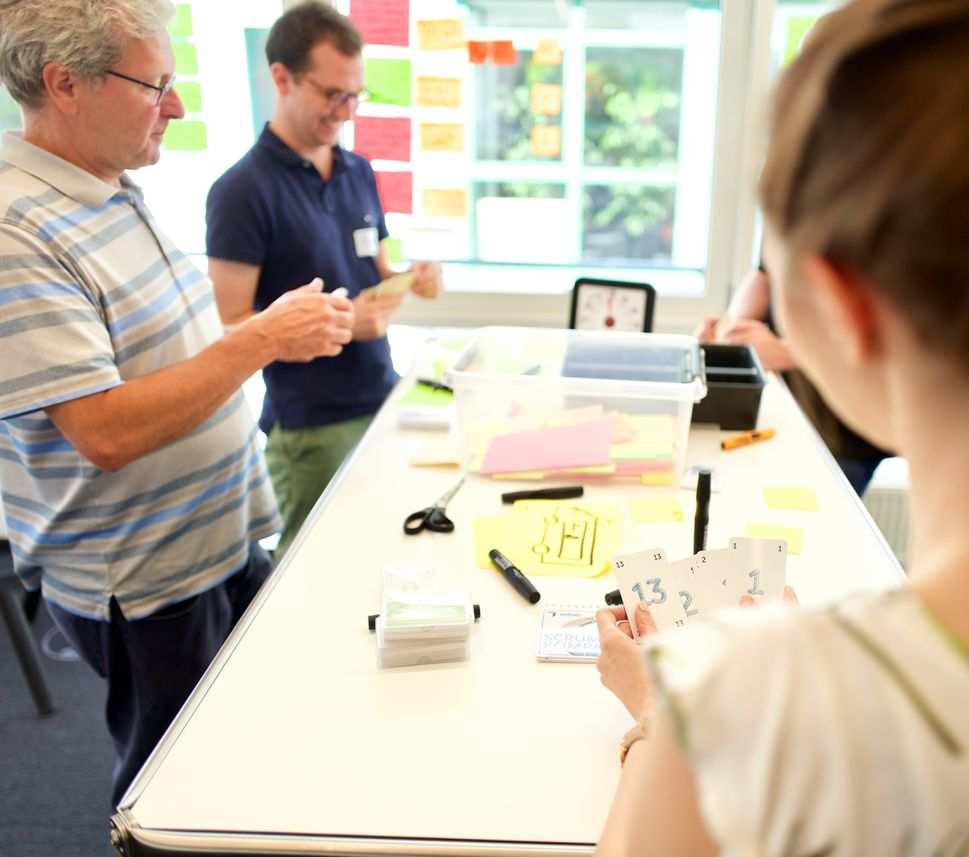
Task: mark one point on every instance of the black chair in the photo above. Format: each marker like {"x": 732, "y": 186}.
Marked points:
{"x": 15, "y": 618}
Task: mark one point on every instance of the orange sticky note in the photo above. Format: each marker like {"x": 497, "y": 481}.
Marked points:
{"x": 547, "y": 141}
{"x": 440, "y": 35}
{"x": 442, "y": 137}
{"x": 478, "y": 52}
{"x": 438, "y": 92}
{"x": 547, "y": 52}
{"x": 445, "y": 202}
{"x": 547, "y": 99}
{"x": 504, "y": 53}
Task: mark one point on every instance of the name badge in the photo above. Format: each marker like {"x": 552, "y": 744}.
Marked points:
{"x": 365, "y": 241}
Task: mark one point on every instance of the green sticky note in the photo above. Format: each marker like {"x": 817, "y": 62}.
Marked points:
{"x": 187, "y": 135}
{"x": 181, "y": 25}
{"x": 388, "y": 81}
{"x": 395, "y": 253}
{"x": 797, "y": 29}
{"x": 191, "y": 94}
{"x": 794, "y": 536}
{"x": 657, "y": 510}
{"x": 186, "y": 59}
{"x": 795, "y": 497}
{"x": 427, "y": 396}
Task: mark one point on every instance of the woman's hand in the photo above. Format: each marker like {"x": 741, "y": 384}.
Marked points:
{"x": 621, "y": 664}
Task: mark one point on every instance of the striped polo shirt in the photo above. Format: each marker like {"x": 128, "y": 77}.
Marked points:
{"x": 92, "y": 293}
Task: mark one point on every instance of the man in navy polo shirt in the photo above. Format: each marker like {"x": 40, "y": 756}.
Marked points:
{"x": 298, "y": 206}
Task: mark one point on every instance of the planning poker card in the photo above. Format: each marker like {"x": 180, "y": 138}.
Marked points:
{"x": 681, "y": 592}
{"x": 641, "y": 578}
{"x": 761, "y": 565}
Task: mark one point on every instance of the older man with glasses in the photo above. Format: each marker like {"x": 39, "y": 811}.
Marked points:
{"x": 298, "y": 205}
{"x": 134, "y": 489}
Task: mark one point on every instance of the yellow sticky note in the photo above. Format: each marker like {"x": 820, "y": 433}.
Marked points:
{"x": 798, "y": 498}
{"x": 656, "y": 510}
{"x": 524, "y": 475}
{"x": 439, "y": 202}
{"x": 442, "y": 137}
{"x": 445, "y": 34}
{"x": 438, "y": 92}
{"x": 545, "y": 537}
{"x": 658, "y": 478}
{"x": 547, "y": 141}
{"x": 547, "y": 52}
{"x": 794, "y": 536}
{"x": 547, "y": 99}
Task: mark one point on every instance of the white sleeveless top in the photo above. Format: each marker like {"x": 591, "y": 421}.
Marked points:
{"x": 842, "y": 731}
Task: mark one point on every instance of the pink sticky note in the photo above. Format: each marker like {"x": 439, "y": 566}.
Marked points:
{"x": 579, "y": 445}
{"x": 384, "y": 138}
{"x": 382, "y": 22}
{"x": 396, "y": 191}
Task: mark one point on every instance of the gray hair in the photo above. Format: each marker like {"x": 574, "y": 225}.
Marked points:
{"x": 85, "y": 36}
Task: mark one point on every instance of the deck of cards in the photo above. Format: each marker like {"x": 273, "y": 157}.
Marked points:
{"x": 678, "y": 593}
{"x": 398, "y": 284}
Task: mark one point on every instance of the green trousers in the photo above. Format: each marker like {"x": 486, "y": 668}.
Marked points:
{"x": 301, "y": 464}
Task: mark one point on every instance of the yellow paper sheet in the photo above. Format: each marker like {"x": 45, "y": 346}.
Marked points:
{"x": 656, "y": 510}
{"x": 549, "y": 538}
{"x": 438, "y": 453}
{"x": 547, "y": 99}
{"x": 442, "y": 137}
{"x": 798, "y": 498}
{"x": 445, "y": 34}
{"x": 440, "y": 202}
{"x": 438, "y": 92}
{"x": 657, "y": 478}
{"x": 547, "y": 52}
{"x": 794, "y": 536}
{"x": 547, "y": 141}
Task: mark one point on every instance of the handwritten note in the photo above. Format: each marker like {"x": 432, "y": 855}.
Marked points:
{"x": 388, "y": 81}
{"x": 547, "y": 141}
{"x": 381, "y": 137}
{"x": 798, "y": 498}
{"x": 547, "y": 52}
{"x": 382, "y": 22}
{"x": 438, "y": 92}
{"x": 440, "y": 35}
{"x": 542, "y": 538}
{"x": 396, "y": 190}
{"x": 442, "y": 137}
{"x": 445, "y": 202}
{"x": 547, "y": 99}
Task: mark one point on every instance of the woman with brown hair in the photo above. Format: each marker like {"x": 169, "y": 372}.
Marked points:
{"x": 840, "y": 730}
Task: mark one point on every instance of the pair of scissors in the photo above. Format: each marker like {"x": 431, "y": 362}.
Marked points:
{"x": 432, "y": 518}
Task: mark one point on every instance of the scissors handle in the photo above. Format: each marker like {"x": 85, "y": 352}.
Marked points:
{"x": 431, "y": 518}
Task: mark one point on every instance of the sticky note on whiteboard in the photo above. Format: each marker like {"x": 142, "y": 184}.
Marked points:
{"x": 446, "y": 34}
{"x": 438, "y": 92}
{"x": 445, "y": 202}
{"x": 442, "y": 137}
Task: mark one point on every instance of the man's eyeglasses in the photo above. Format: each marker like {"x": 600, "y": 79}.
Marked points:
{"x": 337, "y": 97}
{"x": 160, "y": 91}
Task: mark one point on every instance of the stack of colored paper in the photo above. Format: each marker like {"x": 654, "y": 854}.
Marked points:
{"x": 585, "y": 444}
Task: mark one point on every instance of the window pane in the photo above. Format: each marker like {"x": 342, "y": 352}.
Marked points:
{"x": 519, "y": 111}
{"x": 518, "y": 13}
{"x": 506, "y": 214}
{"x": 628, "y": 223}
{"x": 633, "y": 98}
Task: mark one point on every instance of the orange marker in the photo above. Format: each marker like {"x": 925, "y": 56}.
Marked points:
{"x": 747, "y": 438}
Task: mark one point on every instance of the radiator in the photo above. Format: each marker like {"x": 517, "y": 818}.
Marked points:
{"x": 888, "y": 505}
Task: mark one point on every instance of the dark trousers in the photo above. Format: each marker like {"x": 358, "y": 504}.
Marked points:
{"x": 152, "y": 664}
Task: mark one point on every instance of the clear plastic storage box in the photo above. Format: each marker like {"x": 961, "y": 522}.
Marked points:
{"x": 579, "y": 405}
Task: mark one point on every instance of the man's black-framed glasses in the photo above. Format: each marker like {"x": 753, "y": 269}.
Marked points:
{"x": 336, "y": 98}
{"x": 160, "y": 91}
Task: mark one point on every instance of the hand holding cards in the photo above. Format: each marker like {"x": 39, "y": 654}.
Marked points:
{"x": 396, "y": 285}
{"x": 680, "y": 592}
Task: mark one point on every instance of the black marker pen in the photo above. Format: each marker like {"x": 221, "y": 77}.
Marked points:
{"x": 514, "y": 576}
{"x": 702, "y": 518}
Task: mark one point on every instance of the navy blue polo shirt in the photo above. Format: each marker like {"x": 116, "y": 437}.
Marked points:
{"x": 275, "y": 210}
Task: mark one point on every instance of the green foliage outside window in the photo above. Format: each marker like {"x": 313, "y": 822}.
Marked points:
{"x": 505, "y": 118}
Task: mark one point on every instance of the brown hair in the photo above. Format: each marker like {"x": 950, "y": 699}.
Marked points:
{"x": 303, "y": 27}
{"x": 868, "y": 164}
